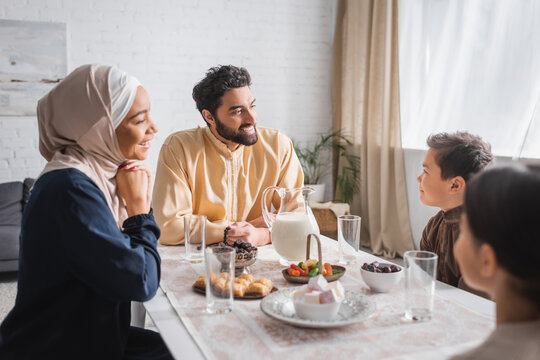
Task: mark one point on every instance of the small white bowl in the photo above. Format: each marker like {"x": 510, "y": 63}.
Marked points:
{"x": 317, "y": 312}
{"x": 381, "y": 282}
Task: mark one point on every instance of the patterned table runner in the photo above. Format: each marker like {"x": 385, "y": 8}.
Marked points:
{"x": 247, "y": 331}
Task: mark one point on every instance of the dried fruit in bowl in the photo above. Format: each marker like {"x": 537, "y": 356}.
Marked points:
{"x": 293, "y": 272}
{"x": 380, "y": 268}
{"x": 327, "y": 269}
{"x": 310, "y": 268}
{"x": 244, "y": 250}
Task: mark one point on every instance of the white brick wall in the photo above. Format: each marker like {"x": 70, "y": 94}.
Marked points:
{"x": 169, "y": 44}
{"x": 19, "y": 154}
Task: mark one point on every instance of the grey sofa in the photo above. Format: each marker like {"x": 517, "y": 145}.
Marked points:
{"x": 13, "y": 197}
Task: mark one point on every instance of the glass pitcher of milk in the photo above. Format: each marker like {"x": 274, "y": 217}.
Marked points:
{"x": 291, "y": 223}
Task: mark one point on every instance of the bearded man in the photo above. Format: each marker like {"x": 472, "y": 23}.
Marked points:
{"x": 221, "y": 170}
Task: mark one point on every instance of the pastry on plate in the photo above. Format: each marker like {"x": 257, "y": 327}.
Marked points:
{"x": 241, "y": 284}
{"x": 266, "y": 282}
{"x": 250, "y": 278}
{"x": 239, "y": 288}
{"x": 200, "y": 283}
{"x": 244, "y": 285}
{"x": 243, "y": 281}
{"x": 221, "y": 285}
{"x": 259, "y": 288}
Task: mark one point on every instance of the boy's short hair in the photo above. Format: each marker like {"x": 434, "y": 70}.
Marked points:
{"x": 460, "y": 154}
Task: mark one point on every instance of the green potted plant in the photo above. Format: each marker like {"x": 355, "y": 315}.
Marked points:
{"x": 315, "y": 162}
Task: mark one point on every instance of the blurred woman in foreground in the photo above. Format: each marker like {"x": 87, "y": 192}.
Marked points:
{"x": 498, "y": 251}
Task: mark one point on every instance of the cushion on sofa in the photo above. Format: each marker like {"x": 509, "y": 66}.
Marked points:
{"x": 11, "y": 195}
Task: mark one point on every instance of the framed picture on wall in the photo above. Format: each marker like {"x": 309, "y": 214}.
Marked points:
{"x": 33, "y": 59}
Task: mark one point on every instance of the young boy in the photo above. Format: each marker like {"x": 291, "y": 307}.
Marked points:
{"x": 450, "y": 162}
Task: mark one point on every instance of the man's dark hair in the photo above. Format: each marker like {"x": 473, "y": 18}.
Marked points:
{"x": 501, "y": 206}
{"x": 460, "y": 154}
{"x": 208, "y": 92}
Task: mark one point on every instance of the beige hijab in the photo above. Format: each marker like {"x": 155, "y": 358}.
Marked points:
{"x": 76, "y": 130}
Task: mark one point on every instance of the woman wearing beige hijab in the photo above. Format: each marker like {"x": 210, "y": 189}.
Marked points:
{"x": 88, "y": 236}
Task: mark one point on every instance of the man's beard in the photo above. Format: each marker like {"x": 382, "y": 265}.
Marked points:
{"x": 235, "y": 135}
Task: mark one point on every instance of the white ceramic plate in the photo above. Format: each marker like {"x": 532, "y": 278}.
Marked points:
{"x": 354, "y": 308}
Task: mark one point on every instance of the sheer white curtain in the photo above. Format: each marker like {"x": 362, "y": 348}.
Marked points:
{"x": 471, "y": 65}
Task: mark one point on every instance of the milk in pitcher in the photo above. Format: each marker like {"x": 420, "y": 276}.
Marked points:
{"x": 289, "y": 236}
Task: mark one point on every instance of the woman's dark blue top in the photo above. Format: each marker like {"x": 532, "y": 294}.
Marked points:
{"x": 78, "y": 273}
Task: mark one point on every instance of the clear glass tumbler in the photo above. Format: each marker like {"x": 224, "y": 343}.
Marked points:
{"x": 348, "y": 238}
{"x": 194, "y": 237}
{"x": 219, "y": 269}
{"x": 420, "y": 276}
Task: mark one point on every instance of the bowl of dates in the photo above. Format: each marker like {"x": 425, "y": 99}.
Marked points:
{"x": 246, "y": 254}
{"x": 381, "y": 277}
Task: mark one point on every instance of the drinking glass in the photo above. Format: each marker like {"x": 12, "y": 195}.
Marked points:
{"x": 194, "y": 237}
{"x": 420, "y": 276}
{"x": 219, "y": 269}
{"x": 348, "y": 238}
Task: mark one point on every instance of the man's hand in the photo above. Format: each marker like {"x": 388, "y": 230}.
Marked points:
{"x": 244, "y": 230}
{"x": 260, "y": 223}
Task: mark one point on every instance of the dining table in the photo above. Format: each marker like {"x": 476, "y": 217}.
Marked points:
{"x": 460, "y": 321}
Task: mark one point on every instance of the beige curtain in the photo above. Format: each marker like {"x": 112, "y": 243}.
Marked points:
{"x": 366, "y": 107}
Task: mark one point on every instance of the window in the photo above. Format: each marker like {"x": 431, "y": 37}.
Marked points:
{"x": 471, "y": 65}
